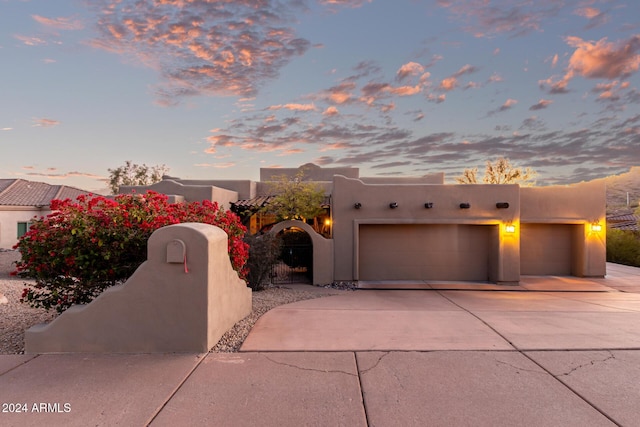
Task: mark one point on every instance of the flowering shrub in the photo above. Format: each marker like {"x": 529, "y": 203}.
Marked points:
{"x": 85, "y": 246}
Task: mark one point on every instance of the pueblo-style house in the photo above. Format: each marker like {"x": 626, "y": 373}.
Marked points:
{"x": 419, "y": 229}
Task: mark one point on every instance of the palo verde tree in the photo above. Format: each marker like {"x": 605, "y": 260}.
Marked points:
{"x": 295, "y": 198}
{"x": 500, "y": 172}
{"x": 133, "y": 174}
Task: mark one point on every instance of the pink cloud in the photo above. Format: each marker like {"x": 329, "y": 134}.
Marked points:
{"x": 30, "y": 41}
{"x": 595, "y": 16}
{"x": 215, "y": 165}
{"x": 409, "y": 69}
{"x": 603, "y": 59}
{"x": 509, "y": 103}
{"x": 200, "y": 47}
{"x": 59, "y": 23}
{"x": 45, "y": 122}
{"x": 73, "y": 174}
{"x": 449, "y": 83}
{"x": 597, "y": 60}
{"x": 331, "y": 111}
{"x": 484, "y": 19}
{"x": 294, "y": 107}
{"x": 543, "y": 103}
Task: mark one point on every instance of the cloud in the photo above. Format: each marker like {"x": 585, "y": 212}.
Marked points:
{"x": 339, "y": 94}
{"x": 484, "y": 19}
{"x": 597, "y": 60}
{"x": 30, "y": 40}
{"x": 294, "y": 107}
{"x": 409, "y": 69}
{"x": 595, "y": 16}
{"x": 347, "y": 3}
{"x": 543, "y": 103}
{"x": 215, "y": 165}
{"x": 73, "y": 174}
{"x": 602, "y": 59}
{"x": 60, "y": 23}
{"x": 448, "y": 83}
{"x": 201, "y": 47}
{"x": 390, "y": 165}
{"x": 6, "y": 129}
{"x": 46, "y": 123}
{"x": 508, "y": 104}
{"x": 331, "y": 111}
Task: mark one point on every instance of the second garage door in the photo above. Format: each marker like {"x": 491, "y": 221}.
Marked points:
{"x": 546, "y": 249}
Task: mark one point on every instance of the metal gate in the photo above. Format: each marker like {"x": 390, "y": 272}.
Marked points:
{"x": 295, "y": 264}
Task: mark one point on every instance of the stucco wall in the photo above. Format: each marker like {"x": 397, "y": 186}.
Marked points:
{"x": 245, "y": 188}
{"x": 578, "y": 206}
{"x": 191, "y": 193}
{"x": 434, "y": 178}
{"x": 182, "y": 299}
{"x": 322, "y": 251}
{"x": 375, "y": 208}
{"x": 9, "y": 219}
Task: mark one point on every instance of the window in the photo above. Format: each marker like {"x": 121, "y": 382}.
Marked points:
{"x": 23, "y": 227}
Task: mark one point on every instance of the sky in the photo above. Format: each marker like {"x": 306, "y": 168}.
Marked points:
{"x": 217, "y": 89}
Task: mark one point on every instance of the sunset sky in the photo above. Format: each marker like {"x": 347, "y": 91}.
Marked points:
{"x": 220, "y": 88}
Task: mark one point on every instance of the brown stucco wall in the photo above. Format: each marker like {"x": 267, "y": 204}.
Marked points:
{"x": 503, "y": 257}
{"x": 576, "y": 207}
{"x": 191, "y": 193}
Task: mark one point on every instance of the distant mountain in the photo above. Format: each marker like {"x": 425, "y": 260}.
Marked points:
{"x": 619, "y": 185}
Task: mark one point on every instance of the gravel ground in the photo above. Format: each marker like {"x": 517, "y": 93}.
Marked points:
{"x": 16, "y": 317}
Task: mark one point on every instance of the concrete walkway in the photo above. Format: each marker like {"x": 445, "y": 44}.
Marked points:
{"x": 556, "y": 352}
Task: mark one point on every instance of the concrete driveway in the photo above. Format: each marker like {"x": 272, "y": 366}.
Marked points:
{"x": 567, "y": 354}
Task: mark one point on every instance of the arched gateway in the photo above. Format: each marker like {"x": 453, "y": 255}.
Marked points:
{"x": 322, "y": 264}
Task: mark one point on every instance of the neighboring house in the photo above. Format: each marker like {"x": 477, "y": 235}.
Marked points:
{"x": 22, "y": 200}
{"x": 398, "y": 229}
{"x": 623, "y": 220}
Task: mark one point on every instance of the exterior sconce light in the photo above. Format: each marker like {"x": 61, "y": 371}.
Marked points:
{"x": 596, "y": 227}
{"x": 510, "y": 228}
{"x": 465, "y": 205}
{"x": 393, "y": 205}
{"x": 428, "y": 205}
{"x": 357, "y": 205}
{"x": 502, "y": 205}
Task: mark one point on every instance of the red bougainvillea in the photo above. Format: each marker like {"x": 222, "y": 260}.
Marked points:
{"x": 92, "y": 243}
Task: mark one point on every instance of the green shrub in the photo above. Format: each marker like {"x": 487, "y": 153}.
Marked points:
{"x": 264, "y": 250}
{"x": 85, "y": 246}
{"x": 623, "y": 247}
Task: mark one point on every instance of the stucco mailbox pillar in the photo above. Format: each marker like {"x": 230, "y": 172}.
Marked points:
{"x": 182, "y": 299}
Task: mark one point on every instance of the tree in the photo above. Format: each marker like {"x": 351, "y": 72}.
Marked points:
{"x": 295, "y": 198}
{"x": 502, "y": 172}
{"x": 134, "y": 174}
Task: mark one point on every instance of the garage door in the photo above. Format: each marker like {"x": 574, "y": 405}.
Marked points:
{"x": 546, "y": 249}
{"x": 424, "y": 252}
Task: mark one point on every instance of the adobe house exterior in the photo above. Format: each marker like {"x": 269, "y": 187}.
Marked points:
{"x": 420, "y": 229}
